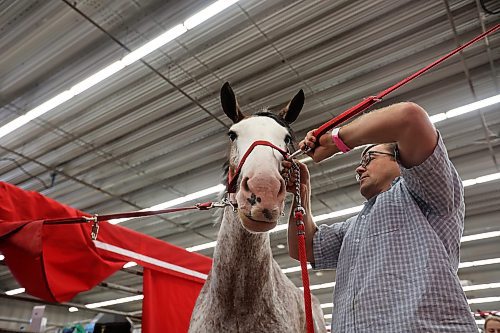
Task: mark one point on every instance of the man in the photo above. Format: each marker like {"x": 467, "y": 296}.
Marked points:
{"x": 396, "y": 261}
{"x": 492, "y": 324}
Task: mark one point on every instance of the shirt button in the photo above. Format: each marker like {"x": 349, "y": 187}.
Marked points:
{"x": 363, "y": 217}
{"x": 357, "y": 240}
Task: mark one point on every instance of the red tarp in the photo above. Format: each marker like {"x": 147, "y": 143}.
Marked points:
{"x": 56, "y": 262}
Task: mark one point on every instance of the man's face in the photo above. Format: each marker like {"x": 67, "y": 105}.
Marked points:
{"x": 493, "y": 326}
{"x": 377, "y": 169}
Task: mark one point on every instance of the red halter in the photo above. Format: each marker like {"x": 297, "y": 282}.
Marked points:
{"x": 232, "y": 178}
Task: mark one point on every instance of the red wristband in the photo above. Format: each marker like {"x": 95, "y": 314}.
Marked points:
{"x": 338, "y": 141}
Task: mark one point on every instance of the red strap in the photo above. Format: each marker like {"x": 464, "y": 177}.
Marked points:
{"x": 232, "y": 178}
{"x": 203, "y": 206}
{"x": 365, "y": 104}
{"x": 305, "y": 279}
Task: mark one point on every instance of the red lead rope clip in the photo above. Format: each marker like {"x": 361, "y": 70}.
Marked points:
{"x": 95, "y": 226}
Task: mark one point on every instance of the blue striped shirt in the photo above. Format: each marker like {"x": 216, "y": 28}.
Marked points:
{"x": 396, "y": 261}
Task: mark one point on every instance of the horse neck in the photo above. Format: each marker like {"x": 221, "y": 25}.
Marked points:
{"x": 242, "y": 261}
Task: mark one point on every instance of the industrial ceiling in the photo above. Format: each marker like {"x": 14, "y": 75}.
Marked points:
{"x": 154, "y": 131}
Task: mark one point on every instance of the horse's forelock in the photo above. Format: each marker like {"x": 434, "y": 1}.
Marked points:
{"x": 279, "y": 120}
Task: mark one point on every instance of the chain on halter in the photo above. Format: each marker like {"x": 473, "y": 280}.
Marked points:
{"x": 301, "y": 233}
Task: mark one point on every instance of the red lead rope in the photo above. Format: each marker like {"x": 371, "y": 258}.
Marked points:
{"x": 366, "y": 103}
{"x": 301, "y": 237}
{"x": 299, "y": 220}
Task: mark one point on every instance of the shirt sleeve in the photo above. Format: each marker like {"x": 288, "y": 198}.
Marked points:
{"x": 436, "y": 182}
{"x": 327, "y": 242}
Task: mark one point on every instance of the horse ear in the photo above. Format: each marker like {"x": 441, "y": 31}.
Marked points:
{"x": 230, "y": 104}
{"x": 292, "y": 110}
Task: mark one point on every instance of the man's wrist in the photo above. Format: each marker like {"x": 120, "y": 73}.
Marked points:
{"x": 339, "y": 143}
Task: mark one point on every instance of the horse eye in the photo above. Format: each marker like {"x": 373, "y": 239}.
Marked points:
{"x": 288, "y": 139}
{"x": 232, "y": 135}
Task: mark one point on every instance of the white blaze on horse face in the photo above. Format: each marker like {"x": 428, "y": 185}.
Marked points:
{"x": 261, "y": 191}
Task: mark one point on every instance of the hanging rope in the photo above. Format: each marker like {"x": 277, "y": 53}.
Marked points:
{"x": 301, "y": 238}
{"x": 366, "y": 103}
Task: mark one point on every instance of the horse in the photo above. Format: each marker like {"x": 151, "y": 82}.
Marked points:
{"x": 246, "y": 291}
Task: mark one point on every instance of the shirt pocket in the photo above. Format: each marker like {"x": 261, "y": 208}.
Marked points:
{"x": 381, "y": 229}
{"x": 386, "y": 219}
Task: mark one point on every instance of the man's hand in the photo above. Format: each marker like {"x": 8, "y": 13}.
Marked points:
{"x": 305, "y": 195}
{"x": 318, "y": 150}
{"x": 289, "y": 174}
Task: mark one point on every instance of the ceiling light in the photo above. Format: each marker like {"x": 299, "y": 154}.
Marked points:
{"x": 15, "y": 291}
{"x": 483, "y": 179}
{"x": 2, "y": 257}
{"x": 279, "y": 227}
{"x": 481, "y": 286}
{"x": 328, "y": 316}
{"x": 339, "y": 213}
{"x": 479, "y": 263}
{"x": 115, "y": 301}
{"x": 480, "y": 236}
{"x": 484, "y": 300}
{"x": 465, "y": 109}
{"x": 130, "y": 264}
{"x": 201, "y": 246}
{"x": 280, "y": 246}
{"x": 326, "y": 305}
{"x": 153, "y": 45}
{"x": 96, "y": 78}
{"x": 322, "y": 286}
{"x": 115, "y": 67}
{"x": 294, "y": 269}
{"x": 36, "y": 112}
{"x": 473, "y": 106}
{"x": 207, "y": 13}
{"x": 73, "y": 309}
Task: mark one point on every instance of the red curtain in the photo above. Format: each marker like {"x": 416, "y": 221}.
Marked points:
{"x": 56, "y": 262}
{"x": 170, "y": 298}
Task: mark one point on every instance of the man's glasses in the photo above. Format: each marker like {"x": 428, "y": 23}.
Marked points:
{"x": 368, "y": 157}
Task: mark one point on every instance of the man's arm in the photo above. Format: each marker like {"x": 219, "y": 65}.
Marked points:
{"x": 310, "y": 226}
{"x": 405, "y": 123}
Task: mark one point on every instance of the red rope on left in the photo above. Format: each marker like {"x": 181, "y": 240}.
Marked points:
{"x": 98, "y": 218}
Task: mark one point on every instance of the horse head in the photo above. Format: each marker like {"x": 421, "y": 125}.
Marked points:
{"x": 260, "y": 189}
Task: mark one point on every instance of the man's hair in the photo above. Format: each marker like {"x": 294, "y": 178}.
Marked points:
{"x": 491, "y": 317}
{"x": 392, "y": 147}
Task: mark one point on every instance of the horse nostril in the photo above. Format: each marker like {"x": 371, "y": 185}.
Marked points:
{"x": 282, "y": 187}
{"x": 244, "y": 183}
{"x": 267, "y": 214}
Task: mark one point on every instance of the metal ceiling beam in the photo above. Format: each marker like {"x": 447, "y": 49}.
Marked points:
{"x": 487, "y": 131}
{"x": 481, "y": 16}
{"x": 118, "y": 287}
